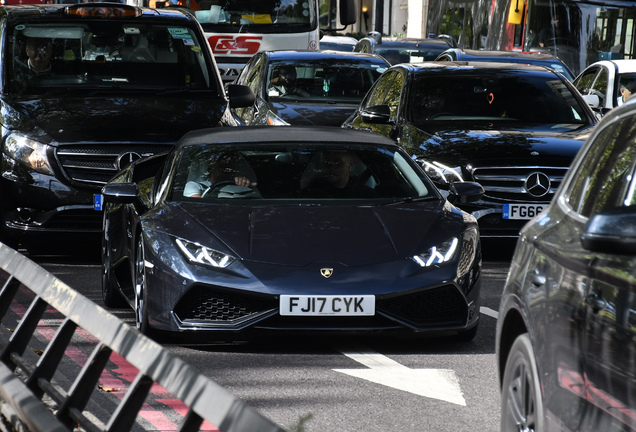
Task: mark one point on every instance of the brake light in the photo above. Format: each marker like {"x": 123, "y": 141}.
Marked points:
{"x": 102, "y": 11}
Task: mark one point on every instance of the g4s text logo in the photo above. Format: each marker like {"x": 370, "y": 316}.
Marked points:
{"x": 235, "y": 45}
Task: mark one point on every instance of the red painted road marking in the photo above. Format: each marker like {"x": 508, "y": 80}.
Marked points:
{"x": 113, "y": 379}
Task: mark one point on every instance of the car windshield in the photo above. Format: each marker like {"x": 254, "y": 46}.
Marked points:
{"x": 409, "y": 53}
{"x": 531, "y": 100}
{"x": 298, "y": 172}
{"x": 260, "y": 16}
{"x": 326, "y": 80}
{"x": 105, "y": 54}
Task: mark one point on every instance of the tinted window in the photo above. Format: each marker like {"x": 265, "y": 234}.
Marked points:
{"x": 505, "y": 97}
{"x": 605, "y": 178}
{"x": 127, "y": 55}
{"x": 302, "y": 172}
{"x": 327, "y": 79}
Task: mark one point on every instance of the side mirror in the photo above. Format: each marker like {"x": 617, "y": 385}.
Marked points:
{"x": 465, "y": 192}
{"x": 611, "y": 231}
{"x": 376, "y": 114}
{"x": 120, "y": 193}
{"x": 593, "y": 101}
{"x": 348, "y": 14}
{"x": 240, "y": 96}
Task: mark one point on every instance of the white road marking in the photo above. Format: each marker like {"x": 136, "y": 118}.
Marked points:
{"x": 439, "y": 384}
{"x": 489, "y": 312}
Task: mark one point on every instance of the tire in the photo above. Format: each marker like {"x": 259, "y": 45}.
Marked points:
{"x": 110, "y": 289}
{"x": 141, "y": 305}
{"x": 521, "y": 401}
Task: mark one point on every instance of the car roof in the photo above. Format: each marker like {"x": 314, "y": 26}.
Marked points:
{"x": 47, "y": 12}
{"x": 314, "y": 55}
{"x": 623, "y": 66}
{"x": 284, "y": 134}
{"x": 397, "y": 42}
{"x": 477, "y": 54}
{"x": 471, "y": 67}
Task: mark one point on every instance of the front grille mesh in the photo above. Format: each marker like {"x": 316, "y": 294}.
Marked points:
{"x": 444, "y": 305}
{"x": 93, "y": 165}
{"x": 506, "y": 184}
{"x": 204, "y": 304}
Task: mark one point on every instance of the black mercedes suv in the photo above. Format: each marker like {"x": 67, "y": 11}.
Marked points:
{"x": 86, "y": 89}
{"x": 511, "y": 127}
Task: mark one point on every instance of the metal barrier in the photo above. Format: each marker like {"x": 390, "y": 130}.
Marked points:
{"x": 34, "y": 399}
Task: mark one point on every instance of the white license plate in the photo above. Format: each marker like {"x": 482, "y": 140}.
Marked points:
{"x": 522, "y": 211}
{"x": 327, "y": 305}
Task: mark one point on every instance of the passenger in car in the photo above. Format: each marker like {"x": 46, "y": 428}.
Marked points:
{"x": 333, "y": 178}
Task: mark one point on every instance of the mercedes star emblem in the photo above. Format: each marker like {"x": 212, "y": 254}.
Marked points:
{"x": 537, "y": 184}
{"x": 126, "y": 159}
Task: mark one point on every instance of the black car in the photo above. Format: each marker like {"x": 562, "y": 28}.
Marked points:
{"x": 403, "y": 50}
{"x": 513, "y": 128}
{"x": 566, "y": 333}
{"x": 537, "y": 58}
{"x": 319, "y": 88}
{"x": 293, "y": 229}
{"x": 85, "y": 90}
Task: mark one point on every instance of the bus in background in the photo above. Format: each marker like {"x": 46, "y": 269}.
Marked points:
{"x": 579, "y": 32}
{"x": 238, "y": 29}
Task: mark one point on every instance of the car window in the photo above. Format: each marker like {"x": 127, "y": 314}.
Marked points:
{"x": 526, "y": 99}
{"x": 406, "y": 54}
{"x": 298, "y": 172}
{"x": 378, "y": 94}
{"x": 584, "y": 82}
{"x": 605, "y": 178}
{"x": 624, "y": 79}
{"x": 394, "y": 95}
{"x": 106, "y": 53}
{"x": 599, "y": 87}
{"x": 327, "y": 79}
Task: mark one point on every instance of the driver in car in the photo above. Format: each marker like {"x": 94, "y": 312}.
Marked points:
{"x": 284, "y": 83}
{"x": 39, "y": 51}
{"x": 222, "y": 170}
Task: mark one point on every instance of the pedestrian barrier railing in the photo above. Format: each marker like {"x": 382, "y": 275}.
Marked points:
{"x": 35, "y": 391}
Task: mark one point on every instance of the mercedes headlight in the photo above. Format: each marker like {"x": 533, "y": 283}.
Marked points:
{"x": 200, "y": 254}
{"x": 443, "y": 252}
{"x": 441, "y": 173}
{"x": 274, "y": 120}
{"x": 29, "y": 152}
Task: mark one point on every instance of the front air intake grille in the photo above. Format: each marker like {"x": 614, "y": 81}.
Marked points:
{"x": 206, "y": 304}
{"x": 515, "y": 184}
{"x": 440, "y": 306}
{"x": 93, "y": 165}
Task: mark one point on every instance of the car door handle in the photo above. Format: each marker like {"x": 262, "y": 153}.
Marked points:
{"x": 595, "y": 302}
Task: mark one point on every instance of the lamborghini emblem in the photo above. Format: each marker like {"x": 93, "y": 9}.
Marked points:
{"x": 326, "y": 272}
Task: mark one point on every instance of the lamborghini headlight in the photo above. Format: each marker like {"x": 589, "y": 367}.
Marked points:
{"x": 27, "y": 151}
{"x": 441, "y": 173}
{"x": 443, "y": 252}
{"x": 200, "y": 254}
